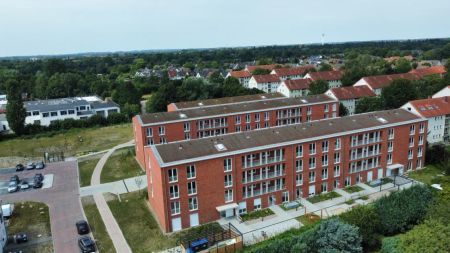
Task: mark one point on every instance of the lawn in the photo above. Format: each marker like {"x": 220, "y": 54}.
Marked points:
{"x": 308, "y": 219}
{"x": 93, "y": 139}
{"x": 323, "y": 197}
{"x": 86, "y": 168}
{"x": 120, "y": 165}
{"x": 353, "y": 189}
{"x": 427, "y": 175}
{"x": 32, "y": 218}
{"x": 138, "y": 225}
{"x": 257, "y": 214}
{"x": 101, "y": 236}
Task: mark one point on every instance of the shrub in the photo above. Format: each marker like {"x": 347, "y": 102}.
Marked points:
{"x": 368, "y": 222}
{"x": 335, "y": 236}
{"x": 389, "y": 245}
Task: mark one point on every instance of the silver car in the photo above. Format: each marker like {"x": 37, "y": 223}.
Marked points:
{"x": 13, "y": 187}
{"x": 40, "y": 165}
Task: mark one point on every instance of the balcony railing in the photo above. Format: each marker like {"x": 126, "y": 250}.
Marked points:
{"x": 255, "y": 163}
{"x": 262, "y": 176}
{"x": 261, "y": 191}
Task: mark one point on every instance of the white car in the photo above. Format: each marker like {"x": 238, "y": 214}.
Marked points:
{"x": 13, "y": 187}
{"x": 24, "y": 185}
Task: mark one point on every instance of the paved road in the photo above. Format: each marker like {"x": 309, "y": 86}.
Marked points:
{"x": 119, "y": 242}
{"x": 62, "y": 199}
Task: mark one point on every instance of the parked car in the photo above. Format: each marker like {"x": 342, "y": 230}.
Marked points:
{"x": 30, "y": 166}
{"x": 40, "y": 165}
{"x": 20, "y": 237}
{"x": 20, "y": 167}
{"x": 82, "y": 227}
{"x": 13, "y": 187}
{"x": 37, "y": 184}
{"x": 38, "y": 177}
{"x": 86, "y": 244}
{"x": 14, "y": 178}
{"x": 24, "y": 185}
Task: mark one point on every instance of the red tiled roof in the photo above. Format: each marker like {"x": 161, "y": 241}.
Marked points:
{"x": 172, "y": 73}
{"x": 377, "y": 82}
{"x": 394, "y": 58}
{"x": 327, "y": 75}
{"x": 297, "y": 84}
{"x": 269, "y": 67}
{"x": 435, "y": 70}
{"x": 432, "y": 107}
{"x": 292, "y": 71}
{"x": 240, "y": 73}
{"x": 266, "y": 78}
{"x": 352, "y": 92}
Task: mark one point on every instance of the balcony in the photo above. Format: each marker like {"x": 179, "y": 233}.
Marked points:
{"x": 214, "y": 126}
{"x": 365, "y": 142}
{"x": 364, "y": 155}
{"x": 269, "y": 160}
{"x": 262, "y": 176}
{"x": 261, "y": 191}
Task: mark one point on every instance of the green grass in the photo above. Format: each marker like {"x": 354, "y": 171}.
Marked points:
{"x": 138, "y": 225}
{"x": 86, "y": 168}
{"x": 120, "y": 165}
{"x": 364, "y": 197}
{"x": 350, "y": 202}
{"x": 426, "y": 175}
{"x": 32, "y": 218}
{"x": 353, "y": 189}
{"x": 308, "y": 219}
{"x": 94, "y": 139}
{"x": 257, "y": 214}
{"x": 101, "y": 236}
{"x": 323, "y": 197}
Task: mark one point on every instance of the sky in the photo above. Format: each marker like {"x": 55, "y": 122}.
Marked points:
{"x": 48, "y": 27}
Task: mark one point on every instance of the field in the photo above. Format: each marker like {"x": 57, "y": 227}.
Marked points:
{"x": 72, "y": 142}
{"x": 101, "y": 236}
{"x": 120, "y": 165}
{"x": 86, "y": 168}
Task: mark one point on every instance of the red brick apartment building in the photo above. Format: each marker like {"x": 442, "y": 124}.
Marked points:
{"x": 227, "y": 116}
{"x": 198, "y": 181}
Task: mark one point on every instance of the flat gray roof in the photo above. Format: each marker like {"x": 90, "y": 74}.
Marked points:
{"x": 54, "y": 104}
{"x": 200, "y": 149}
{"x": 217, "y": 111}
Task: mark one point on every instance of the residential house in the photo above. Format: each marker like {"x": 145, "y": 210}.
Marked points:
{"x": 292, "y": 73}
{"x": 250, "y": 68}
{"x": 348, "y": 96}
{"x": 242, "y": 75}
{"x": 295, "y": 87}
{"x": 434, "y": 70}
{"x": 333, "y": 77}
{"x": 445, "y": 92}
{"x": 377, "y": 83}
{"x": 437, "y": 112}
{"x": 4, "y": 126}
{"x": 267, "y": 83}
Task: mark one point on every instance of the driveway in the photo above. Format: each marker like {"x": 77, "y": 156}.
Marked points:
{"x": 62, "y": 199}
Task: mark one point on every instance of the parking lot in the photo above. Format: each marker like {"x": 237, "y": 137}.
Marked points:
{"x": 61, "y": 196}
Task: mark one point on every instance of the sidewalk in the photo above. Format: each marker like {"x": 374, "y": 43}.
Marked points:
{"x": 117, "y": 187}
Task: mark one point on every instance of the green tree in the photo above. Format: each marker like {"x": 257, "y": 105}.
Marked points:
{"x": 130, "y": 110}
{"x": 343, "y": 111}
{"x": 335, "y": 236}
{"x": 216, "y": 78}
{"x": 166, "y": 94}
{"x": 194, "y": 88}
{"x": 325, "y": 67}
{"x": 126, "y": 92}
{"x": 402, "y": 65}
{"x": 15, "y": 111}
{"x": 398, "y": 93}
{"x": 318, "y": 87}
{"x": 431, "y": 236}
{"x": 368, "y": 104}
{"x": 368, "y": 222}
{"x": 259, "y": 71}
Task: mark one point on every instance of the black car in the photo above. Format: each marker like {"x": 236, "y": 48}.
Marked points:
{"x": 20, "y": 167}
{"x": 82, "y": 227}
{"x": 37, "y": 184}
{"x": 14, "y": 178}
{"x": 38, "y": 177}
{"x": 20, "y": 238}
{"x": 86, "y": 244}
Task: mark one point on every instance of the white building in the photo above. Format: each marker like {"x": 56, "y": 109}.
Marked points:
{"x": 294, "y": 88}
{"x": 377, "y": 83}
{"x": 348, "y": 96}
{"x": 437, "y": 111}
{"x": 333, "y": 77}
{"x": 292, "y": 73}
{"x": 43, "y": 112}
{"x": 242, "y": 75}
{"x": 267, "y": 83}
{"x": 3, "y": 235}
{"x": 445, "y": 92}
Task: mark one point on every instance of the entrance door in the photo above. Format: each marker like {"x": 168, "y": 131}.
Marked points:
{"x": 380, "y": 173}
{"x": 176, "y": 224}
{"x": 193, "y": 219}
{"x": 229, "y": 213}
{"x": 369, "y": 176}
{"x": 272, "y": 200}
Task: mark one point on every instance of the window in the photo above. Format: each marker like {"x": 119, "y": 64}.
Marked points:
{"x": 228, "y": 181}
{"x": 324, "y": 173}
{"x": 150, "y": 141}
{"x": 337, "y": 144}
{"x": 162, "y": 140}
{"x": 173, "y": 191}
{"x": 247, "y": 118}
{"x": 337, "y": 157}
{"x": 266, "y": 116}
{"x": 161, "y": 130}
{"x": 334, "y": 107}
{"x": 324, "y": 160}
{"x": 299, "y": 151}
{"x": 410, "y": 154}
{"x": 193, "y": 203}
{"x": 325, "y": 108}
{"x": 45, "y": 114}
{"x": 419, "y": 151}
{"x": 257, "y": 126}
{"x": 324, "y": 187}
{"x": 187, "y": 136}
{"x": 237, "y": 129}
{"x": 186, "y": 126}
{"x": 312, "y": 162}
{"x": 298, "y": 165}
{"x": 63, "y": 112}
{"x": 391, "y": 133}
{"x": 71, "y": 111}
{"x": 190, "y": 171}
{"x": 192, "y": 188}
{"x": 35, "y": 113}
{"x": 173, "y": 175}
{"x": 337, "y": 170}
{"x": 227, "y": 165}
{"x": 312, "y": 148}
{"x": 149, "y": 132}
{"x": 228, "y": 195}
{"x": 312, "y": 176}
{"x": 422, "y": 128}
{"x": 389, "y": 158}
{"x": 308, "y": 110}
{"x": 257, "y": 204}
{"x": 411, "y": 141}
{"x": 53, "y": 114}
{"x": 420, "y": 139}
{"x": 257, "y": 117}
{"x": 266, "y": 124}
{"x": 248, "y": 127}
{"x": 412, "y": 129}
{"x": 175, "y": 207}
{"x": 299, "y": 179}
{"x": 390, "y": 146}
{"x": 285, "y": 197}
{"x": 237, "y": 120}
{"x": 325, "y": 146}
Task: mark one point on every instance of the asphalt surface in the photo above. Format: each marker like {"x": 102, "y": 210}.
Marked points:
{"x": 62, "y": 199}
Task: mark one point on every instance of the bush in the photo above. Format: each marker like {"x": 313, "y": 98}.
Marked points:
{"x": 368, "y": 222}
{"x": 399, "y": 211}
{"x": 389, "y": 245}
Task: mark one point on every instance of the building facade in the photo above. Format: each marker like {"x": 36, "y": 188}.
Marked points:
{"x": 295, "y": 88}
{"x": 445, "y": 92}
{"x": 199, "y": 181}
{"x": 332, "y": 77}
{"x": 267, "y": 83}
{"x": 348, "y": 96}
{"x": 202, "y": 122}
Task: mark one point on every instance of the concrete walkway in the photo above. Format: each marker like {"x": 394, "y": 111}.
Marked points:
{"x": 116, "y": 235}
{"x": 117, "y": 187}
